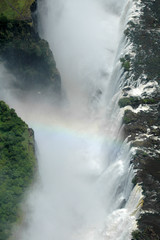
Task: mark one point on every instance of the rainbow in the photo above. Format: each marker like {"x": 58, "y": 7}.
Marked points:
{"x": 87, "y": 131}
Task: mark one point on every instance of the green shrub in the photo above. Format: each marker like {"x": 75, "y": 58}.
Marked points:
{"x": 135, "y": 101}
{"x": 17, "y": 164}
{"x": 132, "y": 101}
{"x": 125, "y": 64}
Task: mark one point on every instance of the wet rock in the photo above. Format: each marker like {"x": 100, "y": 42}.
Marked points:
{"x": 142, "y": 125}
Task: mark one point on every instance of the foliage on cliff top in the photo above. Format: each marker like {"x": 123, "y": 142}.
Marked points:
{"x": 16, "y": 9}
{"x": 17, "y": 166}
{"x": 28, "y": 57}
{"x": 23, "y": 52}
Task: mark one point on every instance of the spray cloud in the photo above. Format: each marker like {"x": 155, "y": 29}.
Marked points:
{"x": 83, "y": 165}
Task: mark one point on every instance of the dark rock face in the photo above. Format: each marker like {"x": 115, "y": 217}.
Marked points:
{"x": 142, "y": 111}
{"x": 28, "y": 56}
{"x": 145, "y": 35}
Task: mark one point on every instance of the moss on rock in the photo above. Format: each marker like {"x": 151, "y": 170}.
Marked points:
{"x": 135, "y": 101}
{"x": 125, "y": 63}
{"x": 16, "y": 9}
{"x": 132, "y": 101}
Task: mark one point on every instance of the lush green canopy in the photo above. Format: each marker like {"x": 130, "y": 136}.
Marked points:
{"x": 17, "y": 165}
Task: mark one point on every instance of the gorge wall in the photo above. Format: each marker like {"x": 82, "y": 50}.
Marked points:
{"x": 141, "y": 103}
{"x": 29, "y": 59}
{"x": 23, "y": 52}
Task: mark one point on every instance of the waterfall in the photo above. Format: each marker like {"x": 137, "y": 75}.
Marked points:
{"x": 83, "y": 190}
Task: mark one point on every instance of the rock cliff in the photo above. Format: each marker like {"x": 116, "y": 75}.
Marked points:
{"x": 22, "y": 51}
{"x": 141, "y": 103}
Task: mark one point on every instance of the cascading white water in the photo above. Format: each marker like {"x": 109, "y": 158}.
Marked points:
{"x": 84, "y": 165}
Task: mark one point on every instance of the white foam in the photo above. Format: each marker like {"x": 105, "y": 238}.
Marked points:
{"x": 147, "y": 88}
{"x": 141, "y": 107}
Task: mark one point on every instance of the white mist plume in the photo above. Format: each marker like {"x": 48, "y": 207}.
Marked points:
{"x": 83, "y": 165}
{"x": 83, "y": 36}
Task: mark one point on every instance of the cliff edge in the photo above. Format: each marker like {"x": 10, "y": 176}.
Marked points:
{"x": 141, "y": 103}
{"x": 23, "y": 52}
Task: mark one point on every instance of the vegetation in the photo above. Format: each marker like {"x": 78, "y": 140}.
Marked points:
{"x": 31, "y": 61}
{"x": 135, "y": 101}
{"x": 134, "y": 181}
{"x": 125, "y": 64}
{"x": 27, "y": 56}
{"x": 16, "y": 9}
{"x": 23, "y": 52}
{"x": 17, "y": 166}
{"x": 132, "y": 101}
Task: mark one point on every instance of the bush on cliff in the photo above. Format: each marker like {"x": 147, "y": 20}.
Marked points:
{"x": 17, "y": 166}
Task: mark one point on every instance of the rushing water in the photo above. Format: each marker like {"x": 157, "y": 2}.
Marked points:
{"x": 85, "y": 175}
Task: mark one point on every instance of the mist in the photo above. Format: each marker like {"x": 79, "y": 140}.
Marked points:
{"x": 84, "y": 37}
{"x": 84, "y": 172}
